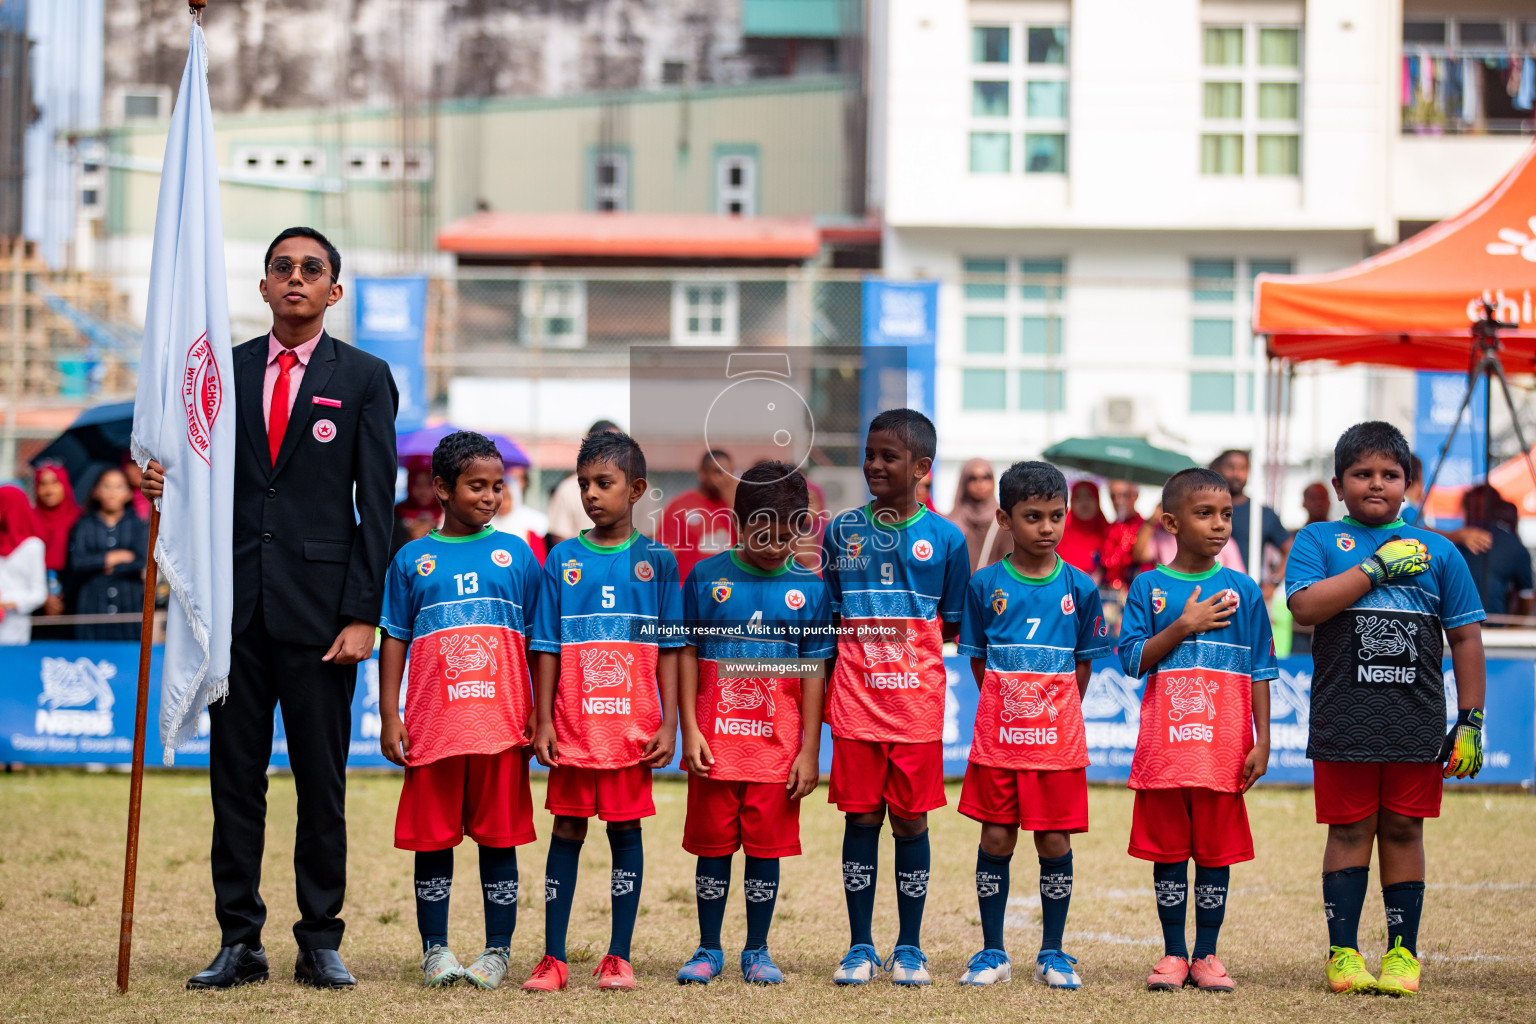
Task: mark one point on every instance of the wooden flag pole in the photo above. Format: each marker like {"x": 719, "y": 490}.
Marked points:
{"x": 136, "y": 784}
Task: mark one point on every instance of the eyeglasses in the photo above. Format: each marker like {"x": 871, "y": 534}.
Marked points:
{"x": 980, "y": 476}
{"x": 282, "y": 268}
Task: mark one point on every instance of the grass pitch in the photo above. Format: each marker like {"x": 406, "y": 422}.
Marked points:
{"x": 61, "y": 873}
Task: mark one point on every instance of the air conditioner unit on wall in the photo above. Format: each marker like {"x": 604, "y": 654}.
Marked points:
{"x": 1123, "y": 415}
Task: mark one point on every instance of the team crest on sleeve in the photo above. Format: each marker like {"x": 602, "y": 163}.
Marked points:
{"x": 1100, "y": 627}
{"x": 643, "y": 571}
{"x": 855, "y": 545}
{"x": 1159, "y": 600}
{"x": 1345, "y": 542}
{"x": 794, "y": 599}
{"x": 502, "y": 557}
{"x": 1068, "y": 606}
{"x": 720, "y": 591}
{"x": 571, "y": 572}
{"x": 425, "y": 564}
{"x": 999, "y": 601}
{"x": 922, "y": 550}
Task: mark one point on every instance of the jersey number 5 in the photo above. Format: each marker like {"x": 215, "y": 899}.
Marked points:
{"x": 608, "y": 598}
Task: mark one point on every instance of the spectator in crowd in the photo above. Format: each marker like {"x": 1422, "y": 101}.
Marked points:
{"x": 56, "y": 513}
{"x": 1233, "y": 465}
{"x": 517, "y": 518}
{"x": 1117, "y": 553}
{"x": 975, "y": 512}
{"x": 925, "y": 492}
{"x": 1082, "y": 535}
{"x": 23, "y": 571}
{"x": 1316, "y": 502}
{"x": 700, "y": 523}
{"x": 420, "y": 511}
{"x": 567, "y": 516}
{"x": 1413, "y": 496}
{"x": 1502, "y": 572}
{"x": 135, "y": 477}
{"x": 807, "y": 545}
{"x": 1156, "y": 546}
{"x": 107, "y": 552}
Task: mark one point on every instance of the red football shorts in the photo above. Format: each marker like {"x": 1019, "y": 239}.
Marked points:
{"x": 610, "y": 794}
{"x": 726, "y": 816}
{"x": 1041, "y": 801}
{"x": 868, "y": 776}
{"x": 1346, "y": 792}
{"x": 483, "y": 796}
{"x": 1169, "y": 825}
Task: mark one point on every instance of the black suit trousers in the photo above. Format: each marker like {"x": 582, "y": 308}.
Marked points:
{"x": 316, "y": 701}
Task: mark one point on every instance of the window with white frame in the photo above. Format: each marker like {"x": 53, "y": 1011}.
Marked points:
{"x": 610, "y": 181}
{"x": 704, "y": 313}
{"x": 1013, "y": 338}
{"x": 1251, "y": 100}
{"x": 554, "y": 313}
{"x": 1019, "y": 80}
{"x": 1222, "y": 349}
{"x": 377, "y": 163}
{"x": 736, "y": 185}
{"x": 279, "y": 161}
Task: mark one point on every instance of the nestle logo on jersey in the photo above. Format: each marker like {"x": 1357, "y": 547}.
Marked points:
{"x": 739, "y": 727}
{"x": 892, "y": 681}
{"x": 482, "y": 689}
{"x": 605, "y": 705}
{"x": 1191, "y": 731}
{"x": 1386, "y": 675}
{"x": 1026, "y": 737}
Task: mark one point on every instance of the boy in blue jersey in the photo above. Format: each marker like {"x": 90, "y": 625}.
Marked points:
{"x": 1204, "y": 733}
{"x": 1033, "y": 625}
{"x": 896, "y": 575}
{"x": 750, "y": 744}
{"x": 608, "y": 631}
{"x": 1377, "y": 734}
{"x": 458, "y": 602}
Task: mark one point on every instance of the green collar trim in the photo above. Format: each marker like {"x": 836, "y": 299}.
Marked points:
{"x": 607, "y": 549}
{"x": 470, "y": 538}
{"x": 754, "y": 571}
{"x": 869, "y": 511}
{"x": 1395, "y": 524}
{"x": 1193, "y": 577}
{"x": 1034, "y": 581}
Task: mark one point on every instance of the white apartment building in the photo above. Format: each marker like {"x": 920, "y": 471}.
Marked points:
{"x": 1097, "y": 182}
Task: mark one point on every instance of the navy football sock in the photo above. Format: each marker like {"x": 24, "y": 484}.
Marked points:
{"x": 434, "y": 881}
{"x": 913, "y": 860}
{"x": 861, "y": 858}
{"x": 760, "y": 885}
{"x": 628, "y": 873}
{"x": 1210, "y": 907}
{"x": 1343, "y": 901}
{"x": 1170, "y": 883}
{"x": 1405, "y": 902}
{"x": 992, "y": 896}
{"x": 498, "y": 888}
{"x": 1055, "y": 898}
{"x": 711, "y": 884}
{"x": 559, "y": 892}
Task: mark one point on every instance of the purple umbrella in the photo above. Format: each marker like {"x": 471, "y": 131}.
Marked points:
{"x": 422, "y": 442}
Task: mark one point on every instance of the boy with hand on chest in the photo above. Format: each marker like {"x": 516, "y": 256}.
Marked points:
{"x": 608, "y": 631}
{"x": 896, "y": 574}
{"x": 750, "y": 745}
{"x": 1377, "y": 735}
{"x": 1204, "y": 734}
{"x": 1033, "y": 625}
{"x": 458, "y": 601}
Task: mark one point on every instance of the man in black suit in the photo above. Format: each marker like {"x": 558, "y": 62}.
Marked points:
{"x": 315, "y": 438}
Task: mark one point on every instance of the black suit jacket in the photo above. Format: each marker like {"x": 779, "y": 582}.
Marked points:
{"x": 299, "y": 548}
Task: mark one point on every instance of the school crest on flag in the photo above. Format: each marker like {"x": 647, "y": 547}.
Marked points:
{"x": 721, "y": 591}
{"x": 999, "y": 601}
{"x": 571, "y": 572}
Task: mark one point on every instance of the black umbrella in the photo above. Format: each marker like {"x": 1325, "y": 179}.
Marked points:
{"x": 98, "y": 438}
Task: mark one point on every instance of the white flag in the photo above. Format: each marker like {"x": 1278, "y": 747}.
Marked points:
{"x": 184, "y": 413}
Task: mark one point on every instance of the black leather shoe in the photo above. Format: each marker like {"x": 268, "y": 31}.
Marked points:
{"x": 234, "y": 966}
{"x": 322, "y": 968}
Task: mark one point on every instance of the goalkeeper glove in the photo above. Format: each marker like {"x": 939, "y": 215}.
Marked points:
{"x": 1462, "y": 751}
{"x": 1397, "y": 559}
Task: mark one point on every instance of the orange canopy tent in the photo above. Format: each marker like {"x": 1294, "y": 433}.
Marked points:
{"x": 1414, "y": 304}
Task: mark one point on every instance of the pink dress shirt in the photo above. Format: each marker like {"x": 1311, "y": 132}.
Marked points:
{"x": 295, "y": 375}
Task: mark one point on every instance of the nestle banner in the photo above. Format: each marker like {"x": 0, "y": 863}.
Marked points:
{"x": 72, "y": 703}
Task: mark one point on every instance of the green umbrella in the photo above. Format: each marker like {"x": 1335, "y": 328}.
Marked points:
{"x": 1119, "y": 458}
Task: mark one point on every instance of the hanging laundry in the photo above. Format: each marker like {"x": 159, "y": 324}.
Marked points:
{"x": 1407, "y": 81}
{"x": 1471, "y": 81}
{"x": 1525, "y": 97}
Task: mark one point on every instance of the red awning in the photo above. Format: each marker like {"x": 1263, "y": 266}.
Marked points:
{"x": 631, "y": 236}
{"x": 1413, "y": 305}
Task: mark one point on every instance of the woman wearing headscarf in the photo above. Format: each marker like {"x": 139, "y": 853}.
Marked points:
{"x": 1083, "y": 533}
{"x": 55, "y": 512}
{"x": 420, "y": 511}
{"x": 23, "y": 570}
{"x": 975, "y": 512}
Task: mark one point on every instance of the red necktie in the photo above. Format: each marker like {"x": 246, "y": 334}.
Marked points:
{"x": 277, "y": 416}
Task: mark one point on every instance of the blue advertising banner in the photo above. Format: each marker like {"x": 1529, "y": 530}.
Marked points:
{"x": 1439, "y": 399}
{"x": 901, "y": 327}
{"x": 391, "y": 323}
{"x": 72, "y": 703}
